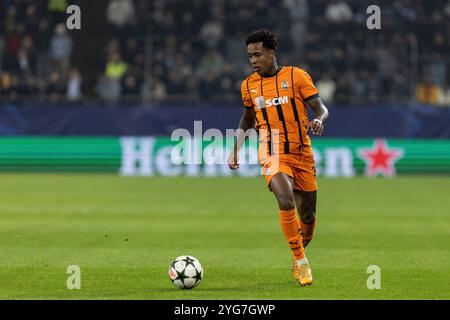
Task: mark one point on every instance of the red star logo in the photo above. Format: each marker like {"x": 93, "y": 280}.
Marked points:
{"x": 380, "y": 159}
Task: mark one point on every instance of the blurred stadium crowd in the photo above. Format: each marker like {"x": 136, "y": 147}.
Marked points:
{"x": 176, "y": 51}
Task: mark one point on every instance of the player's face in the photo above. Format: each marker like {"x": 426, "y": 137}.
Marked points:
{"x": 260, "y": 58}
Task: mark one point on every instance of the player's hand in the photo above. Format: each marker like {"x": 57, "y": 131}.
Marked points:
{"x": 233, "y": 161}
{"x": 316, "y": 127}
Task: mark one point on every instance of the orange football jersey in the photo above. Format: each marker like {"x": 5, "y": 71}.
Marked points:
{"x": 281, "y": 111}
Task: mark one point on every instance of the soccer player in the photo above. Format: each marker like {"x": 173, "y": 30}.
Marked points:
{"x": 275, "y": 98}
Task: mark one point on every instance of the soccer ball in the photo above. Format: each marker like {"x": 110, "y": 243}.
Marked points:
{"x": 185, "y": 272}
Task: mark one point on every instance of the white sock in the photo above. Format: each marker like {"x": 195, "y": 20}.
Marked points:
{"x": 302, "y": 261}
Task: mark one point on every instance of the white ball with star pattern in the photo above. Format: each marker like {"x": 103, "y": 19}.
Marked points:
{"x": 185, "y": 272}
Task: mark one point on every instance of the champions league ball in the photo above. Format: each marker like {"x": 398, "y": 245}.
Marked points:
{"x": 185, "y": 272}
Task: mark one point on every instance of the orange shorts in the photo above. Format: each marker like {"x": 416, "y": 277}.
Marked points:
{"x": 300, "y": 167}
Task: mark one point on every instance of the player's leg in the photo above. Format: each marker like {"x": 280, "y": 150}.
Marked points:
{"x": 306, "y": 207}
{"x": 304, "y": 179}
{"x": 282, "y": 187}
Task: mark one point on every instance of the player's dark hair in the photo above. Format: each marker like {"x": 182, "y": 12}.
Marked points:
{"x": 266, "y": 37}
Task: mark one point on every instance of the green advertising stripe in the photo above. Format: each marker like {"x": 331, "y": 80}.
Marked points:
{"x": 77, "y": 169}
{"x": 104, "y": 154}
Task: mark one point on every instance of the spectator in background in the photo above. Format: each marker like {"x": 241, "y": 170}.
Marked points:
{"x": 226, "y": 92}
{"x": 342, "y": 92}
{"x": 154, "y": 90}
{"x": 211, "y": 33}
{"x": 25, "y": 62}
{"x": 427, "y": 92}
{"x": 209, "y": 71}
{"x": 175, "y": 84}
{"x": 444, "y": 97}
{"x": 61, "y": 46}
{"x": 327, "y": 88}
{"x": 374, "y": 93}
{"x": 57, "y": 5}
{"x": 130, "y": 85}
{"x": 74, "y": 85}
{"x": 298, "y": 13}
{"x": 387, "y": 65}
{"x": 113, "y": 46}
{"x": 447, "y": 9}
{"x": 5, "y": 83}
{"x": 13, "y": 34}
{"x": 184, "y": 70}
{"x": 42, "y": 37}
{"x": 121, "y": 12}
{"x": 400, "y": 88}
{"x": 31, "y": 19}
{"x": 360, "y": 86}
{"x": 338, "y": 11}
{"x": 211, "y": 64}
{"x": 436, "y": 65}
{"x": 208, "y": 86}
{"x": 108, "y": 89}
{"x": 27, "y": 55}
{"x": 131, "y": 50}
{"x": 115, "y": 67}
{"x": 56, "y": 89}
{"x": 187, "y": 24}
{"x": 28, "y": 85}
{"x": 10, "y": 86}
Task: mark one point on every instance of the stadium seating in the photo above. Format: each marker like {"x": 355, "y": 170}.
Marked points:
{"x": 192, "y": 52}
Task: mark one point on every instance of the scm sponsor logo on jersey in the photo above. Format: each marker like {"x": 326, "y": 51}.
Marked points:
{"x": 277, "y": 101}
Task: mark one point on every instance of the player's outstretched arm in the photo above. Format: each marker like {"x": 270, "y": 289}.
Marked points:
{"x": 247, "y": 122}
{"x": 320, "y": 114}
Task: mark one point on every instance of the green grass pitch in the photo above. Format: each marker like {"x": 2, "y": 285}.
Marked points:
{"x": 124, "y": 232}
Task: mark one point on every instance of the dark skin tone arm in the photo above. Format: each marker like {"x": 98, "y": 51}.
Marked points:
{"x": 247, "y": 122}
{"x": 320, "y": 114}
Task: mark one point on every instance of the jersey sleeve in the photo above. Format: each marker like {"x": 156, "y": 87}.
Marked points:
{"x": 306, "y": 86}
{"x": 246, "y": 99}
